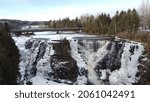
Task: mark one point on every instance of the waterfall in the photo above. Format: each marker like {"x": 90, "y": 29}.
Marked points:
{"x": 107, "y": 62}
{"x": 44, "y": 62}
{"x": 88, "y": 54}
{"x": 129, "y": 65}
{"x": 35, "y": 59}
{"x": 86, "y": 61}
{"x": 92, "y": 59}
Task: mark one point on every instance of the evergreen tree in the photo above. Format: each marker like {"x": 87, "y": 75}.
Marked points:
{"x": 125, "y": 21}
{"x": 113, "y": 27}
{"x": 9, "y": 57}
{"x": 89, "y": 24}
{"x": 135, "y": 20}
{"x": 122, "y": 21}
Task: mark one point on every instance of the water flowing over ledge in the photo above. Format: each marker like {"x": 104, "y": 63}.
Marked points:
{"x": 82, "y": 61}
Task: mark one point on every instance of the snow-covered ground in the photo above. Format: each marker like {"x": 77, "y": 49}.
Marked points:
{"x": 87, "y": 59}
{"x": 53, "y": 36}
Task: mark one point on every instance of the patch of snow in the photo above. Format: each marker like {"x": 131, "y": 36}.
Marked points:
{"x": 103, "y": 77}
{"x": 38, "y": 80}
{"x": 20, "y": 42}
{"x": 81, "y": 80}
{"x": 76, "y": 55}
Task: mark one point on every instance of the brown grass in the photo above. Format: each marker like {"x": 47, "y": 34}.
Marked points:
{"x": 139, "y": 37}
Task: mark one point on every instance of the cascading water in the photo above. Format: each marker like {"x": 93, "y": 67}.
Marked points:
{"x": 83, "y": 61}
{"x": 90, "y": 53}
{"x": 105, "y": 60}
{"x": 36, "y": 59}
{"x": 92, "y": 59}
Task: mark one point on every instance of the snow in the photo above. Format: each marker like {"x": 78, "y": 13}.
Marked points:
{"x": 49, "y": 35}
{"x": 20, "y": 42}
{"x": 38, "y": 80}
{"x": 90, "y": 59}
{"x": 81, "y": 80}
{"x": 93, "y": 59}
{"x": 129, "y": 62}
{"x": 54, "y": 36}
{"x": 87, "y": 59}
{"x": 127, "y": 73}
{"x": 76, "y": 55}
{"x": 43, "y": 65}
{"x": 103, "y": 77}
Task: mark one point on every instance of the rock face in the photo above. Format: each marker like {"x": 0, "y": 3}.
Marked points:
{"x": 51, "y": 60}
{"x": 63, "y": 65}
{"x": 36, "y": 51}
{"x": 111, "y": 61}
{"x": 107, "y": 61}
{"x": 80, "y": 61}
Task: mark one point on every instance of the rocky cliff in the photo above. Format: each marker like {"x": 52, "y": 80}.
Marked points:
{"x": 75, "y": 61}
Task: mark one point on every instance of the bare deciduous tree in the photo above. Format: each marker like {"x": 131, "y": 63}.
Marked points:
{"x": 144, "y": 12}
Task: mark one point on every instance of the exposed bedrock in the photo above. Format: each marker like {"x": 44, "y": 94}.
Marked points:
{"x": 81, "y": 61}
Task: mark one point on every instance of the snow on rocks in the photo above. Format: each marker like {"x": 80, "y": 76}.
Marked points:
{"x": 96, "y": 60}
{"x": 129, "y": 62}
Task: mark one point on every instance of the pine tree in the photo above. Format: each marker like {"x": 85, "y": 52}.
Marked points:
{"x": 121, "y": 21}
{"x": 9, "y": 57}
{"x": 135, "y": 21}
{"x": 113, "y": 26}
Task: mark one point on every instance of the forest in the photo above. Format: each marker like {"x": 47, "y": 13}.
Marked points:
{"x": 124, "y": 21}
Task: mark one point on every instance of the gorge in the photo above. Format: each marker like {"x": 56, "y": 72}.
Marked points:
{"x": 78, "y": 59}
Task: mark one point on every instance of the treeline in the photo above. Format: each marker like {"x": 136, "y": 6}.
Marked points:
{"x": 18, "y": 24}
{"x": 124, "y": 21}
{"x": 64, "y": 23}
{"x": 9, "y": 57}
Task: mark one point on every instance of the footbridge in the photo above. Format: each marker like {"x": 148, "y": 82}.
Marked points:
{"x": 57, "y": 30}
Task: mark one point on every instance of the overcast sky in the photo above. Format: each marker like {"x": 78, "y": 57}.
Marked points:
{"x": 43, "y": 10}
